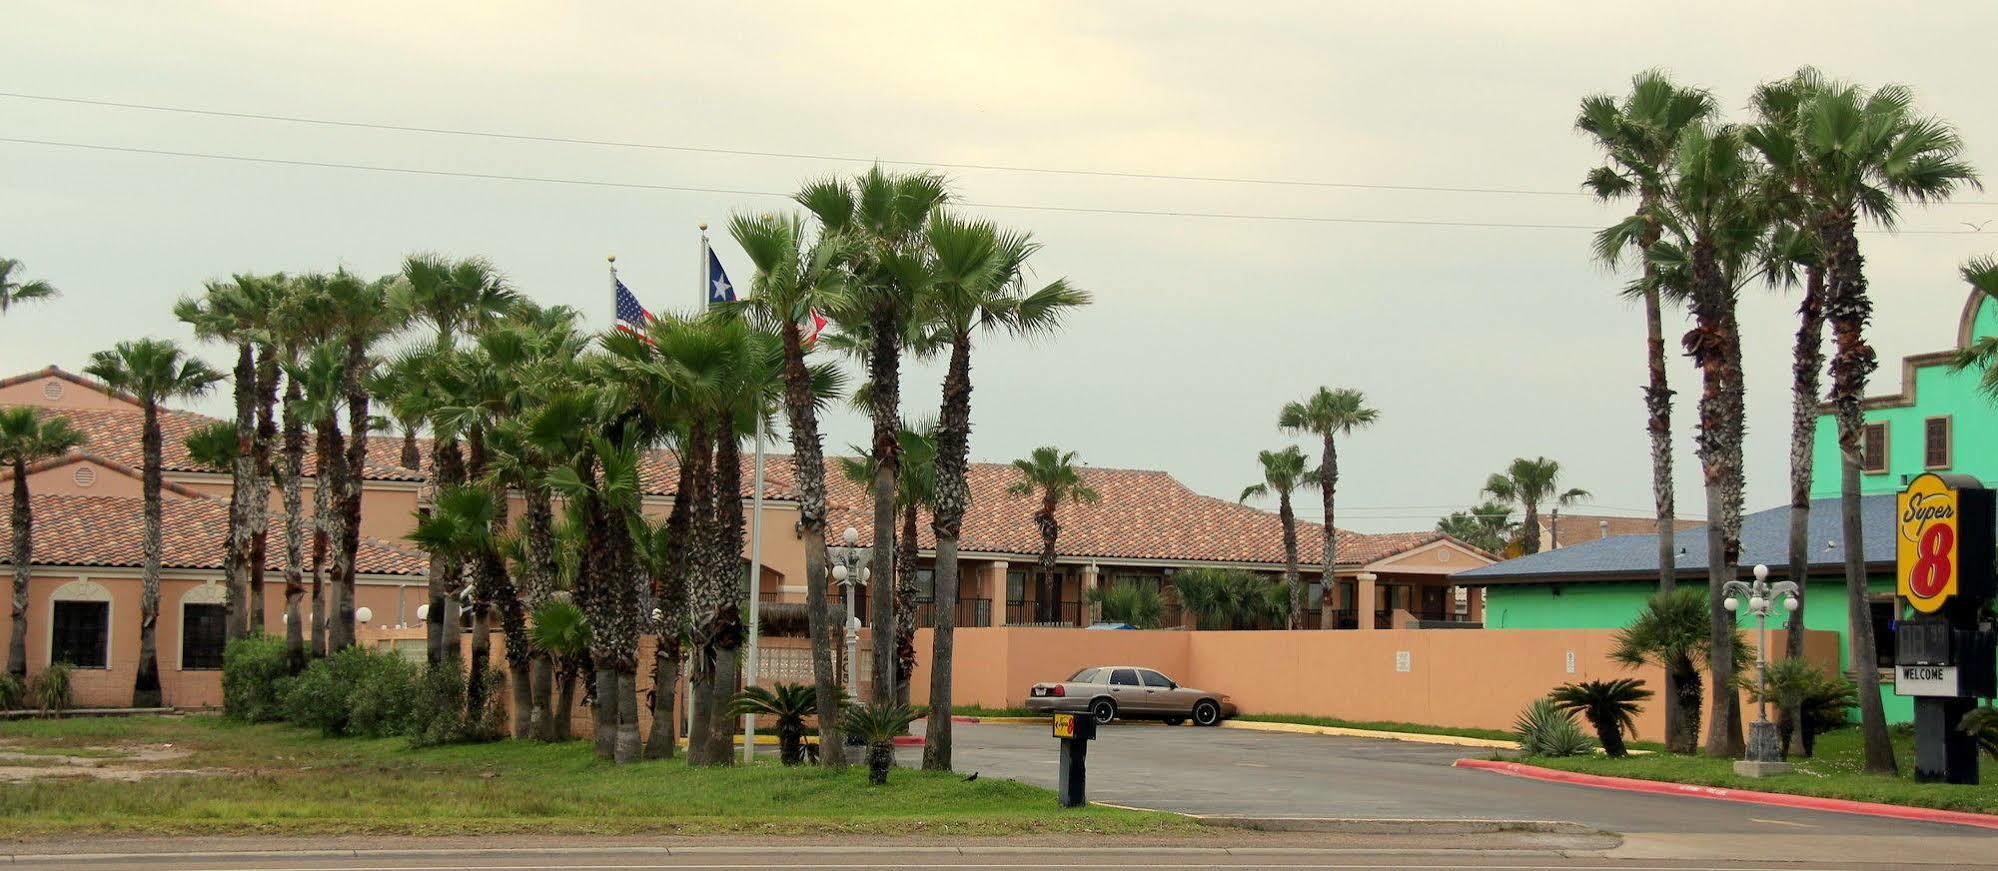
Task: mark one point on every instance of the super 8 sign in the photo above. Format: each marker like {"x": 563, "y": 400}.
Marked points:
{"x": 1928, "y": 537}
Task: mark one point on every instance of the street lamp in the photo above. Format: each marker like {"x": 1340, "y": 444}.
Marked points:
{"x": 849, "y": 573}
{"x": 1765, "y": 754}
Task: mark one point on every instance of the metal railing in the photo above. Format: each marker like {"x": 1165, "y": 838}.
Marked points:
{"x": 970, "y": 612}
{"x": 1028, "y": 614}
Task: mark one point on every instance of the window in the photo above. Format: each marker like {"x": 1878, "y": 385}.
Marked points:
{"x": 1016, "y": 587}
{"x": 1154, "y": 679}
{"x": 926, "y": 585}
{"x": 1935, "y": 443}
{"x": 202, "y": 635}
{"x": 1087, "y": 675}
{"x": 1124, "y": 677}
{"x": 82, "y": 632}
{"x": 1884, "y": 615}
{"x": 1873, "y": 449}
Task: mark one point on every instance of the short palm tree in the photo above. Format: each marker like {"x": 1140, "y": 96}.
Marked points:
{"x": 560, "y": 629}
{"x": 13, "y": 291}
{"x": 1531, "y": 484}
{"x": 790, "y": 704}
{"x": 1284, "y": 473}
{"x": 1611, "y": 706}
{"x": 1139, "y": 605}
{"x": 1671, "y": 634}
{"x": 877, "y": 725}
{"x": 27, "y": 438}
{"x": 460, "y": 523}
{"x": 1328, "y": 413}
{"x": 1051, "y": 474}
{"x": 154, "y": 371}
{"x": 1232, "y": 598}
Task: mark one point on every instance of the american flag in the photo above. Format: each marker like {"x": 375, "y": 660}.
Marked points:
{"x": 631, "y": 317}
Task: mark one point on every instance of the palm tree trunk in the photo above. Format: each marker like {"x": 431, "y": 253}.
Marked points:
{"x": 352, "y": 471}
{"x": 260, "y": 507}
{"x": 627, "y": 717}
{"x": 292, "y": 486}
{"x": 808, "y": 470}
{"x": 726, "y": 632}
{"x": 1045, "y": 583}
{"x": 905, "y": 604}
{"x": 242, "y": 483}
{"x": 953, "y": 497}
{"x": 943, "y": 649}
{"x": 23, "y": 517}
{"x": 146, "y": 685}
{"x": 541, "y": 690}
{"x": 1658, "y": 413}
{"x": 446, "y": 571}
{"x": 661, "y": 744}
{"x": 565, "y": 702}
{"x": 1809, "y": 358}
{"x": 605, "y": 734}
{"x": 885, "y": 407}
{"x": 1847, "y": 309}
{"x": 1328, "y": 577}
{"x": 1708, "y": 344}
{"x": 1530, "y": 534}
{"x": 1291, "y": 579}
{"x": 326, "y": 449}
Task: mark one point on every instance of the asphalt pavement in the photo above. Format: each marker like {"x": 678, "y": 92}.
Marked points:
{"x": 1230, "y": 772}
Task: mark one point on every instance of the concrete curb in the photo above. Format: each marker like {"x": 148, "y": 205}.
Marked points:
{"x": 1395, "y": 826}
{"x": 1416, "y": 737}
{"x": 736, "y": 850}
{"x": 1744, "y": 796}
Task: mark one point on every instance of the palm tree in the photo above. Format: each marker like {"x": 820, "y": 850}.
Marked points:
{"x": 27, "y": 438}
{"x": 1858, "y": 154}
{"x": 877, "y": 725}
{"x": 1671, "y": 633}
{"x": 1283, "y": 474}
{"x": 296, "y": 324}
{"x": 796, "y": 277}
{"x": 1531, "y": 484}
{"x": 1487, "y": 526}
{"x": 464, "y": 521}
{"x": 314, "y": 397}
{"x": 915, "y": 491}
{"x": 153, "y": 371}
{"x": 1139, "y": 605}
{"x": 1611, "y": 706}
{"x": 1232, "y": 598}
{"x": 560, "y": 629}
{"x": 364, "y": 317}
{"x": 977, "y": 284}
{"x": 790, "y": 704}
{"x": 1051, "y": 475}
{"x": 887, "y": 214}
{"x": 1328, "y": 413}
{"x": 13, "y": 292}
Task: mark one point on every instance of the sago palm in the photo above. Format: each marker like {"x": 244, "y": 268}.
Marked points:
{"x": 789, "y": 704}
{"x": 154, "y": 371}
{"x": 1328, "y": 413}
{"x": 1531, "y": 484}
{"x": 1611, "y": 706}
{"x": 1284, "y": 473}
{"x": 877, "y": 725}
{"x": 1050, "y": 475}
{"x": 26, "y": 438}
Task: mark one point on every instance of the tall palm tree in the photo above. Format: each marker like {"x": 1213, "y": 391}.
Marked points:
{"x": 887, "y": 214}
{"x": 27, "y": 438}
{"x": 1051, "y": 475}
{"x": 153, "y": 371}
{"x": 1284, "y": 473}
{"x": 797, "y": 275}
{"x": 977, "y": 284}
{"x": 296, "y": 324}
{"x": 1857, "y": 155}
{"x": 1328, "y": 413}
{"x": 1531, "y": 484}
{"x": 13, "y": 292}
{"x": 915, "y": 492}
{"x": 364, "y": 318}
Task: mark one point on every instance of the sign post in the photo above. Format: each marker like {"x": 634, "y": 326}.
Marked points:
{"x": 1944, "y": 530}
{"x": 1075, "y": 732}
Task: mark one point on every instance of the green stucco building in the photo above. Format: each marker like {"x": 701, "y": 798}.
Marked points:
{"x": 1938, "y": 420}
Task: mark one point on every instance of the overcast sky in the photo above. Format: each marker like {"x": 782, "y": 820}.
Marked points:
{"x": 1477, "y": 344}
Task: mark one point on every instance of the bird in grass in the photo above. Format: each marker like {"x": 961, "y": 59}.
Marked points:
{"x": 971, "y": 777}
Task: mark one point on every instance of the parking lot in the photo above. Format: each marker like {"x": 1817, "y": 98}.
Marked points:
{"x": 1231, "y": 772}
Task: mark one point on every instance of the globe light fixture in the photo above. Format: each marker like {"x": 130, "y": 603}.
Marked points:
{"x": 851, "y": 536}
{"x": 422, "y": 613}
{"x": 364, "y": 614}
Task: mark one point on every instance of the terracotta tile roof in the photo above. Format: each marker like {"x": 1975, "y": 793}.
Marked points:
{"x": 115, "y": 435}
{"x": 180, "y": 490}
{"x": 110, "y": 531}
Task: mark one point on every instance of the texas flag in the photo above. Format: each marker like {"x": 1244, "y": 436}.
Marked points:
{"x": 719, "y": 288}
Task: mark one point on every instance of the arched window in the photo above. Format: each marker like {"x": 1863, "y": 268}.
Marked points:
{"x": 80, "y": 624}
{"x": 203, "y": 627}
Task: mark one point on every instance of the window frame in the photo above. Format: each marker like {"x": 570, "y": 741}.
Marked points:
{"x": 1145, "y": 673}
{"x": 1022, "y": 575}
{"x": 1135, "y": 682}
{"x": 926, "y": 585}
{"x": 1948, "y": 442}
{"x": 221, "y": 617}
{"x": 56, "y": 610}
{"x": 1869, "y": 464}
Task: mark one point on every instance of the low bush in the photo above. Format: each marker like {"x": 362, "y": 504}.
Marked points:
{"x": 384, "y": 697}
{"x": 49, "y": 691}
{"x": 254, "y": 674}
{"x": 1545, "y": 729}
{"x": 354, "y": 691}
{"x": 437, "y": 711}
{"x": 13, "y": 693}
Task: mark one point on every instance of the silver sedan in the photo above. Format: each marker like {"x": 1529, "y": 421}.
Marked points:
{"x": 1129, "y": 692}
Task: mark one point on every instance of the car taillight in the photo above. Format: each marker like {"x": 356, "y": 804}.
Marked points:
{"x": 1057, "y": 690}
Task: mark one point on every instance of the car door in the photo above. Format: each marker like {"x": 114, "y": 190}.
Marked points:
{"x": 1161, "y": 696}
{"x": 1126, "y": 690}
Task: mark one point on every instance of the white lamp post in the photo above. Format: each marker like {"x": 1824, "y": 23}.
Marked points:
{"x": 850, "y": 574}
{"x": 1765, "y": 755}
{"x": 364, "y": 614}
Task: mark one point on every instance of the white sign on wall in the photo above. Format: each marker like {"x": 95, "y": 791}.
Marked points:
{"x": 1926, "y": 680}
{"x": 1402, "y": 661}
{"x": 1571, "y": 662}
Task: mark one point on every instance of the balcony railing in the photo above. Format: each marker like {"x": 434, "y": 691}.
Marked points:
{"x": 970, "y": 612}
{"x": 1028, "y": 614}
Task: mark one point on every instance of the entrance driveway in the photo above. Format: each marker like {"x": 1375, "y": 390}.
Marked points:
{"x": 1231, "y": 772}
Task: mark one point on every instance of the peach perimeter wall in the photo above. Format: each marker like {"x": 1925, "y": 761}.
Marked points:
{"x": 1464, "y": 678}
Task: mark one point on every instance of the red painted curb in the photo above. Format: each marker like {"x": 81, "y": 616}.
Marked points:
{"x": 909, "y": 741}
{"x": 957, "y": 719}
{"x": 1745, "y": 796}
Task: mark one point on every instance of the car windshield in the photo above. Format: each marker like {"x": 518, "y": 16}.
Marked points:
{"x": 1083, "y": 676}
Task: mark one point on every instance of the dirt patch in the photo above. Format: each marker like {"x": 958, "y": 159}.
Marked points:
{"x": 120, "y": 762}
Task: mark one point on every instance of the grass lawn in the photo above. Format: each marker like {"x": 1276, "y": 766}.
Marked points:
{"x": 234, "y": 778}
{"x": 1834, "y": 773}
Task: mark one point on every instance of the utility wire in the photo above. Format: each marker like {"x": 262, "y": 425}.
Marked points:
{"x": 1169, "y": 213}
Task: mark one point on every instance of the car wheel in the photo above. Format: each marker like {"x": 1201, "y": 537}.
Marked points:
{"x": 1206, "y": 713}
{"x": 1174, "y": 721}
{"x": 1103, "y": 711}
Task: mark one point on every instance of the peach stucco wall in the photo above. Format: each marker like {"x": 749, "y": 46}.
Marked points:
{"x": 1467, "y": 678}
{"x": 62, "y": 481}
{"x": 72, "y": 395}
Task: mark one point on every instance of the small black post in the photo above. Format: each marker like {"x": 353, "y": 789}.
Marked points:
{"x": 1075, "y": 732}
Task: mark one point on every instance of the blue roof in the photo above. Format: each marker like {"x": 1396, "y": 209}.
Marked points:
{"x": 1765, "y": 538}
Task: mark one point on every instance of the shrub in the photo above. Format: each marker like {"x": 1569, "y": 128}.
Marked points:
{"x": 437, "y": 711}
{"x": 1610, "y": 706}
{"x": 1799, "y": 685}
{"x": 13, "y": 693}
{"x": 50, "y": 691}
{"x": 790, "y": 703}
{"x": 1233, "y": 598}
{"x": 1982, "y": 724}
{"x": 331, "y": 692}
{"x": 254, "y": 674}
{"x": 1545, "y": 729}
{"x": 383, "y": 697}
{"x": 876, "y": 726}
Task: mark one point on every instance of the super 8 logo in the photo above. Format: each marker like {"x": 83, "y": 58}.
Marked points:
{"x": 1927, "y": 535}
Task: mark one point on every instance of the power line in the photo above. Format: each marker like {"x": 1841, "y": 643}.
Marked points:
{"x": 1167, "y": 213}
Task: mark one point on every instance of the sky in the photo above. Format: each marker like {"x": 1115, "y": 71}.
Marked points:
{"x": 1476, "y": 343}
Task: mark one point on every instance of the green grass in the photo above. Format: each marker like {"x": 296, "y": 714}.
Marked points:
{"x": 274, "y": 779}
{"x": 975, "y": 711}
{"x": 1836, "y": 772}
